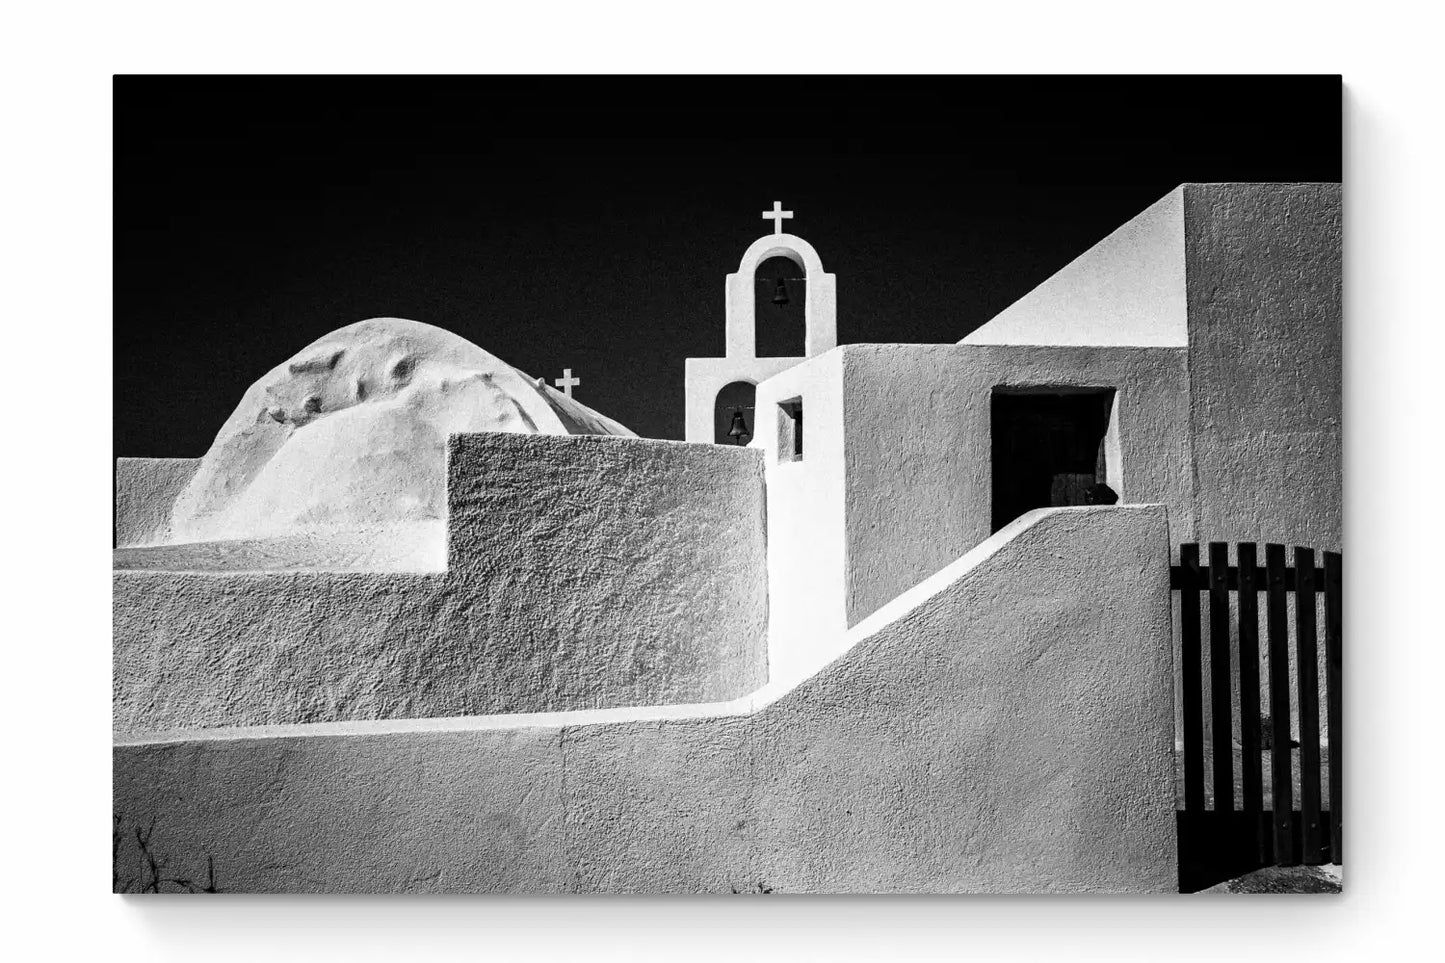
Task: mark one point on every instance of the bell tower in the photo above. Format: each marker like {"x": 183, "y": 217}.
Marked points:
{"x": 707, "y": 377}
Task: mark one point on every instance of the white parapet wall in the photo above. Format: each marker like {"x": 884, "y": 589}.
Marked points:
{"x": 582, "y": 572}
{"x": 1005, "y": 726}
{"x": 807, "y": 551}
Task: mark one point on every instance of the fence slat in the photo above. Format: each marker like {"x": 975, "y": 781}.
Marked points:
{"x": 1334, "y": 696}
{"x": 1251, "y": 768}
{"x": 1192, "y": 697}
{"x": 1281, "y": 758}
{"x": 1307, "y": 678}
{"x": 1220, "y": 702}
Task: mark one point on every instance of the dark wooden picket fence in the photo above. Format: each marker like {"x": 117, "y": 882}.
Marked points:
{"x": 1259, "y": 830}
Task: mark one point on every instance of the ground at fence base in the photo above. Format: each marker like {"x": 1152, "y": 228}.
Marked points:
{"x": 1216, "y": 846}
{"x": 1284, "y": 879}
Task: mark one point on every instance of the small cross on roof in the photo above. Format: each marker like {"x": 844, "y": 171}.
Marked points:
{"x": 567, "y": 382}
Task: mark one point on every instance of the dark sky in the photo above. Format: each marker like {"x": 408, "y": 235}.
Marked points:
{"x": 589, "y": 222}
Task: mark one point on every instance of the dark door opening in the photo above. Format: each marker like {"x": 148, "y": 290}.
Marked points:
{"x": 1048, "y": 447}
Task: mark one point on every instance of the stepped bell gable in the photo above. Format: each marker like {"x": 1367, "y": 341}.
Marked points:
{"x": 707, "y": 377}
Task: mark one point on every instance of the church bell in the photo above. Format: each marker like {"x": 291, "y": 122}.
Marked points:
{"x": 739, "y": 429}
{"x": 780, "y": 296}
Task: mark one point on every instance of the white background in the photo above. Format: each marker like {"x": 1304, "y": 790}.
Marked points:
{"x": 55, "y": 158}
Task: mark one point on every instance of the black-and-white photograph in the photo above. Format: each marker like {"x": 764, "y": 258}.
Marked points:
{"x": 519, "y": 490}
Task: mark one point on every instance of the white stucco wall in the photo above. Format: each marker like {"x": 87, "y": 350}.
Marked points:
{"x": 584, "y": 572}
{"x": 1247, "y": 278}
{"x": 705, "y": 377}
{"x": 1127, "y": 290}
{"x": 807, "y": 548}
{"x": 1265, "y": 361}
{"x": 1005, "y": 727}
{"x": 918, "y": 444}
{"x": 145, "y": 490}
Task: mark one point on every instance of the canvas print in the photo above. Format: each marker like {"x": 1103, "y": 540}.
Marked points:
{"x": 767, "y": 486}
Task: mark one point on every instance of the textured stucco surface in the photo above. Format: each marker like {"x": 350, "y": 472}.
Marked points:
{"x": 919, "y": 456}
{"x": 1004, "y": 727}
{"x": 1128, "y": 290}
{"x": 145, "y": 490}
{"x": 1265, "y": 361}
{"x": 584, "y": 572}
{"x": 649, "y": 556}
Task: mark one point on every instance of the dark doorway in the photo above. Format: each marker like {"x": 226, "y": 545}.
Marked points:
{"x": 1048, "y": 447}
{"x": 736, "y": 398}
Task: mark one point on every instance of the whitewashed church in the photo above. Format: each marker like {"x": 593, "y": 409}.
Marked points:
{"x": 901, "y": 621}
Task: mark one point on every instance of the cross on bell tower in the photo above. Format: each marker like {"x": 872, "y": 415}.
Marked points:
{"x": 718, "y": 387}
{"x": 776, "y": 215}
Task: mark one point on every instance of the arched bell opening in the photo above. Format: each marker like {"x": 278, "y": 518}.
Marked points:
{"x": 733, "y": 414}
{"x": 780, "y": 294}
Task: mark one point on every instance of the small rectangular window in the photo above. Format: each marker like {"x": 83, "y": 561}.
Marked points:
{"x": 790, "y": 430}
{"x": 1050, "y": 449}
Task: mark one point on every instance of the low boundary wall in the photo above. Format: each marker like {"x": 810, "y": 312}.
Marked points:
{"x": 1005, "y": 726}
